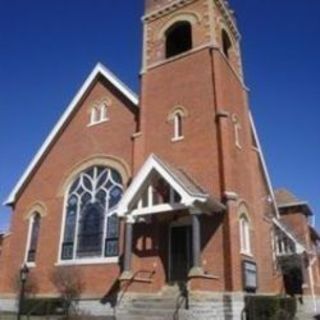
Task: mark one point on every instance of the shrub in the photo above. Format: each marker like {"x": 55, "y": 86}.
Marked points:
{"x": 69, "y": 284}
{"x": 43, "y": 306}
{"x": 270, "y": 308}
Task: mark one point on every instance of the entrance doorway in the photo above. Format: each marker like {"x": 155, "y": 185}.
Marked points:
{"x": 180, "y": 256}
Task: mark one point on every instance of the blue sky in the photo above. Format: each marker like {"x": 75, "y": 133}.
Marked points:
{"x": 47, "y": 48}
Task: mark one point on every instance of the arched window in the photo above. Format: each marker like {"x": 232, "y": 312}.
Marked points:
{"x": 245, "y": 239}
{"x": 226, "y": 43}
{"x": 103, "y": 112}
{"x": 237, "y": 131}
{"x": 98, "y": 114}
{"x": 178, "y": 38}
{"x": 91, "y": 227}
{"x": 177, "y": 126}
{"x": 33, "y": 237}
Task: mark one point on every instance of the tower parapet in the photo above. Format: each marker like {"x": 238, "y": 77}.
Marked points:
{"x": 153, "y": 5}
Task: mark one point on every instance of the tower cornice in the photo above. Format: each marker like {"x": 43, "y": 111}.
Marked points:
{"x": 175, "y": 4}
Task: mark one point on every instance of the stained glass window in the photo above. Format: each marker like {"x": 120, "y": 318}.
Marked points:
{"x": 91, "y": 228}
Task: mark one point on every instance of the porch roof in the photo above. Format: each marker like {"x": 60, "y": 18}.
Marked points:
{"x": 190, "y": 194}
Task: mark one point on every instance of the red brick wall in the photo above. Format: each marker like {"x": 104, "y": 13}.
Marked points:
{"x": 299, "y": 223}
{"x": 205, "y": 84}
{"x": 76, "y": 143}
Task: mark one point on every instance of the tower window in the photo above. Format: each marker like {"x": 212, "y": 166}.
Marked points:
{"x": 226, "y": 44}
{"x": 176, "y": 119}
{"x": 245, "y": 242}
{"x": 178, "y": 38}
{"x": 237, "y": 131}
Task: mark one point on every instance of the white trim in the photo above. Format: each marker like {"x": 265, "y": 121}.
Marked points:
{"x": 247, "y": 254}
{"x": 30, "y": 265}
{"x": 87, "y": 261}
{"x": 176, "y": 139}
{"x": 98, "y": 70}
{"x": 264, "y": 165}
{"x": 151, "y": 164}
{"x": 158, "y": 209}
{"x": 62, "y": 227}
{"x": 92, "y": 124}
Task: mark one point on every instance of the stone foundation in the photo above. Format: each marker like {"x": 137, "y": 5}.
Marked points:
{"x": 8, "y": 305}
{"x": 168, "y": 306}
{"x": 308, "y": 308}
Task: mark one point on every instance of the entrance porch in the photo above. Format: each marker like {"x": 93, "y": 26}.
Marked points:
{"x": 165, "y": 213}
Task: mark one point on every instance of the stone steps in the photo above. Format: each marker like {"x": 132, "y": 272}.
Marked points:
{"x": 151, "y": 307}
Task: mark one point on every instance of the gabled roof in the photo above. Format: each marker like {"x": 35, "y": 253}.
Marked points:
{"x": 191, "y": 194}
{"x": 286, "y": 199}
{"x": 99, "y": 70}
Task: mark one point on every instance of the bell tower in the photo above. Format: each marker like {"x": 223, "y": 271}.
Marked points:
{"x": 194, "y": 109}
{"x": 172, "y": 27}
{"x": 191, "y": 69}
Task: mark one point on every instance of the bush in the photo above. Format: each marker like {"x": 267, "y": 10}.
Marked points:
{"x": 43, "y": 307}
{"x": 69, "y": 283}
{"x": 270, "y": 308}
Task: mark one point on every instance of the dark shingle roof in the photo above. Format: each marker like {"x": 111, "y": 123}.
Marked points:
{"x": 284, "y": 197}
{"x": 190, "y": 185}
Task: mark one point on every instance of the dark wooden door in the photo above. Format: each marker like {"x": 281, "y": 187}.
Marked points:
{"x": 180, "y": 253}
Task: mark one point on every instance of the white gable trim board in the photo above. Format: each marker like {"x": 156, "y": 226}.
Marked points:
{"x": 97, "y": 71}
{"x": 134, "y": 190}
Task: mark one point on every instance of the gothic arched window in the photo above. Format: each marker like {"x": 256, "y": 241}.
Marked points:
{"x": 245, "y": 237}
{"x": 177, "y": 126}
{"x": 178, "y": 38}
{"x": 226, "y": 43}
{"x": 91, "y": 229}
{"x": 34, "y": 229}
{"x": 98, "y": 114}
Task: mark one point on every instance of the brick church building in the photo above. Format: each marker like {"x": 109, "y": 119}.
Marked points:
{"x": 142, "y": 195}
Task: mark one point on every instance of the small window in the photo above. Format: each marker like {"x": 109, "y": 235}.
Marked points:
{"x": 226, "y": 44}
{"x": 237, "y": 131}
{"x": 34, "y": 229}
{"x": 98, "y": 114}
{"x": 178, "y": 38}
{"x": 177, "y": 127}
{"x": 245, "y": 241}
